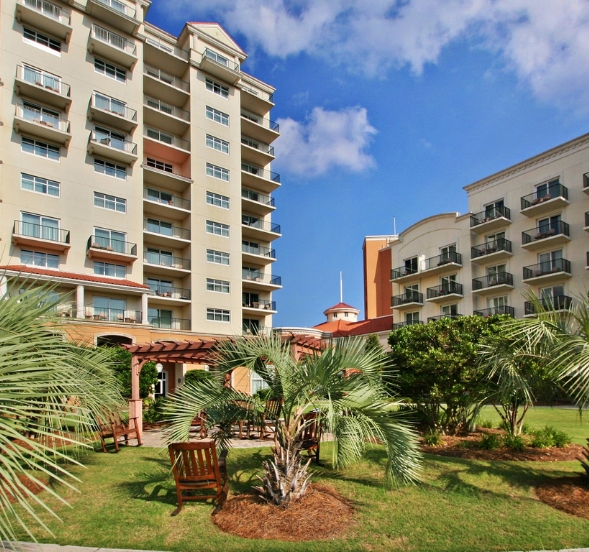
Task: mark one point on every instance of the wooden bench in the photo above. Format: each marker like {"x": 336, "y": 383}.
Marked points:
{"x": 112, "y": 427}
{"x": 311, "y": 435}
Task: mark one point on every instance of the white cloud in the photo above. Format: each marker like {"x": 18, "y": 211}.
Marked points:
{"x": 326, "y": 140}
{"x": 545, "y": 42}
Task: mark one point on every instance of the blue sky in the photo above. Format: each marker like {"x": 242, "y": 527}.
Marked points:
{"x": 388, "y": 108}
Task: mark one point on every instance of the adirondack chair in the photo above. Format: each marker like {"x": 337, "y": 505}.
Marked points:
{"x": 270, "y": 418}
{"x": 199, "y": 424}
{"x": 112, "y": 427}
{"x": 196, "y": 468}
{"x": 311, "y": 435}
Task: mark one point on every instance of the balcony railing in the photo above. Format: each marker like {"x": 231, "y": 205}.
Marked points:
{"x": 266, "y": 123}
{"x": 549, "y": 302}
{"x": 587, "y": 219}
{"x": 545, "y": 231}
{"x": 220, "y": 60}
{"x": 257, "y": 197}
{"x": 165, "y": 138}
{"x": 258, "y": 250}
{"x": 261, "y": 304}
{"x": 410, "y": 296}
{"x": 66, "y": 310}
{"x": 259, "y": 93}
{"x": 115, "y": 246}
{"x": 166, "y": 108}
{"x": 444, "y": 258}
{"x": 113, "y": 106}
{"x": 47, "y": 9}
{"x": 43, "y": 80}
{"x": 42, "y": 117}
{"x": 170, "y": 261}
{"x": 489, "y": 247}
{"x": 400, "y": 325}
{"x": 42, "y": 232}
{"x": 547, "y": 267}
{"x": 498, "y": 279}
{"x": 114, "y": 142}
{"x": 168, "y": 48}
{"x": 169, "y": 292}
{"x": 253, "y": 327}
{"x": 445, "y": 289}
{"x": 166, "y": 77}
{"x": 586, "y": 180}
{"x": 114, "y": 40}
{"x": 553, "y": 191}
{"x": 256, "y": 276}
{"x": 119, "y": 7}
{"x": 171, "y": 323}
{"x": 168, "y": 231}
{"x": 262, "y": 225}
{"x": 112, "y": 315}
{"x": 260, "y": 146}
{"x": 441, "y": 316}
{"x": 165, "y": 198}
{"x": 492, "y": 311}
{"x": 402, "y": 271}
{"x": 490, "y": 214}
{"x": 262, "y": 173}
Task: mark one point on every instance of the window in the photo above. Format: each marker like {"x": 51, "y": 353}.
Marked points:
{"x": 494, "y": 210}
{"x": 251, "y": 273}
{"x": 449, "y": 310}
{"x": 162, "y": 288}
{"x": 248, "y": 220}
{"x": 38, "y": 113}
{"x": 110, "y": 202}
{"x": 257, "y": 382}
{"x": 160, "y": 227}
{"x": 105, "y": 239}
{"x": 218, "y": 200}
{"x": 38, "y": 226}
{"x": 217, "y": 88}
{"x": 448, "y": 284}
{"x": 106, "y": 308}
{"x": 410, "y": 266}
{"x": 159, "y": 257}
{"x": 217, "y": 57}
{"x": 110, "y": 138}
{"x": 218, "y": 315}
{"x": 109, "y": 104}
{"x": 42, "y": 39}
{"x": 159, "y": 196}
{"x": 160, "y": 318}
{"x": 411, "y": 293}
{"x": 109, "y": 70}
{"x": 496, "y": 275}
{"x": 217, "y": 116}
{"x": 217, "y": 143}
{"x": 39, "y": 185}
{"x": 108, "y": 269}
{"x": 251, "y": 326}
{"x": 217, "y": 228}
{"x": 448, "y": 253}
{"x": 217, "y": 172}
{"x": 549, "y": 262}
{"x": 159, "y": 165}
{"x": 250, "y": 247}
{"x": 496, "y": 240}
{"x": 110, "y": 169}
{"x": 548, "y": 189}
{"x": 554, "y": 297}
{"x": 497, "y": 303}
{"x": 159, "y": 135}
{"x": 549, "y": 226}
{"x": 40, "y": 148}
{"x": 249, "y": 142}
{"x": 220, "y": 286}
{"x": 34, "y": 258}
{"x": 44, "y": 79}
{"x": 218, "y": 257}
{"x": 251, "y": 300}
{"x": 411, "y": 318}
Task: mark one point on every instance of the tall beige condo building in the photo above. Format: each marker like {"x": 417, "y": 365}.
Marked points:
{"x": 135, "y": 173}
{"x": 526, "y": 230}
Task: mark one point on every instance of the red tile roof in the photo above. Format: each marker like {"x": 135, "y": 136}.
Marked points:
{"x": 73, "y": 276}
{"x": 342, "y": 328}
{"x": 340, "y": 306}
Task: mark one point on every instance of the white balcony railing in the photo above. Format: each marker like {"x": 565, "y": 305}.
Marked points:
{"x": 43, "y": 117}
{"x": 114, "y": 40}
{"x": 47, "y": 9}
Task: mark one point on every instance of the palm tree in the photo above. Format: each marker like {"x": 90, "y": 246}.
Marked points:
{"x": 51, "y": 390}
{"x": 343, "y": 385}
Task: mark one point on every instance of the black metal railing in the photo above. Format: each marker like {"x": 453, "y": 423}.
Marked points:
{"x": 112, "y": 315}
{"x": 440, "y": 316}
{"x": 444, "y": 258}
{"x": 262, "y": 173}
{"x": 41, "y": 232}
{"x": 509, "y": 311}
{"x": 450, "y": 288}
{"x": 410, "y": 296}
{"x": 255, "y": 276}
{"x": 402, "y": 271}
{"x": 266, "y": 123}
{"x": 261, "y": 225}
{"x": 547, "y": 267}
{"x": 400, "y": 325}
{"x": 262, "y": 304}
{"x": 552, "y": 191}
{"x": 498, "y": 279}
{"x": 112, "y": 246}
{"x": 549, "y": 302}
{"x": 170, "y": 323}
{"x": 489, "y": 247}
{"x": 489, "y": 215}
{"x": 169, "y": 292}
{"x": 545, "y": 231}
{"x": 169, "y": 261}
{"x": 258, "y": 250}
{"x": 257, "y": 197}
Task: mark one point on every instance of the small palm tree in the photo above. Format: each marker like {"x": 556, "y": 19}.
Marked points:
{"x": 343, "y": 386}
{"x": 51, "y": 390}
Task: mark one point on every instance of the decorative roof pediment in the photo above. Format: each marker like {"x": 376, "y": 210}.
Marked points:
{"x": 218, "y": 33}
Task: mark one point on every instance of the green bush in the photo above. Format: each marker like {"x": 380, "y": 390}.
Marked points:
{"x": 490, "y": 441}
{"x": 549, "y": 437}
{"x": 194, "y": 376}
{"x": 153, "y": 410}
{"x": 433, "y": 438}
{"x": 514, "y": 442}
{"x": 487, "y": 424}
{"x": 561, "y": 439}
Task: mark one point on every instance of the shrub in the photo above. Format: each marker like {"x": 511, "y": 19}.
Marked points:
{"x": 490, "y": 441}
{"x": 487, "y": 424}
{"x": 194, "y": 376}
{"x": 561, "y": 439}
{"x": 153, "y": 412}
{"x": 549, "y": 437}
{"x": 433, "y": 438}
{"x": 514, "y": 442}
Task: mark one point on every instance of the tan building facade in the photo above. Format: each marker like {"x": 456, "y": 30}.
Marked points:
{"x": 527, "y": 231}
{"x": 136, "y": 172}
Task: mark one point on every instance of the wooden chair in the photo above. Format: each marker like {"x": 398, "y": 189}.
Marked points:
{"x": 112, "y": 427}
{"x": 247, "y": 422}
{"x": 199, "y": 424}
{"x": 196, "y": 468}
{"x": 311, "y": 435}
{"x": 270, "y": 417}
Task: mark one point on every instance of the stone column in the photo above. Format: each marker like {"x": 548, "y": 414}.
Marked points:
{"x": 135, "y": 403}
{"x": 144, "y": 309}
{"x": 3, "y": 286}
{"x": 80, "y": 302}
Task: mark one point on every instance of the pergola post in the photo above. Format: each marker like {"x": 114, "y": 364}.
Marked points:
{"x": 136, "y": 403}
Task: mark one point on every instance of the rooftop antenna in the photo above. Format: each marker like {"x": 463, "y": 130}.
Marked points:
{"x": 341, "y": 288}
{"x": 394, "y": 226}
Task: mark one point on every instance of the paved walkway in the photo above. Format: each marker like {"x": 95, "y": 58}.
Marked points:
{"x": 154, "y": 438}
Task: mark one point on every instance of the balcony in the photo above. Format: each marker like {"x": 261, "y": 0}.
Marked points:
{"x": 37, "y": 235}
{"x": 112, "y": 46}
{"x": 586, "y": 183}
{"x": 492, "y": 283}
{"x": 554, "y": 197}
{"x": 442, "y": 316}
{"x": 586, "y": 227}
{"x": 256, "y": 152}
{"x": 403, "y": 273}
{"x": 555, "y": 269}
{"x": 260, "y": 281}
{"x": 165, "y": 235}
{"x": 444, "y": 292}
{"x": 495, "y": 311}
{"x": 42, "y": 86}
{"x": 159, "y": 84}
{"x": 257, "y": 203}
{"x": 165, "y": 265}
{"x": 44, "y": 16}
{"x": 253, "y": 98}
{"x": 491, "y": 251}
{"x": 168, "y": 295}
{"x": 259, "y": 229}
{"x": 163, "y": 115}
{"x": 219, "y": 66}
{"x": 112, "y": 148}
{"x": 112, "y": 315}
{"x": 550, "y": 302}
{"x": 257, "y": 254}
{"x": 115, "y": 13}
{"x": 162, "y": 145}
{"x": 42, "y": 124}
{"x": 258, "y": 178}
{"x": 111, "y": 250}
{"x": 258, "y": 128}
{"x": 112, "y": 112}
{"x": 546, "y": 236}
{"x": 490, "y": 219}
{"x": 181, "y": 324}
{"x": 267, "y": 307}
{"x": 587, "y": 261}
{"x": 400, "y": 325}
{"x": 165, "y": 54}
{"x": 165, "y": 179}
{"x": 164, "y": 204}
{"x": 408, "y": 300}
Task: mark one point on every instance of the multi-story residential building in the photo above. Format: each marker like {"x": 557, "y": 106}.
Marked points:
{"x": 526, "y": 232}
{"x": 135, "y": 173}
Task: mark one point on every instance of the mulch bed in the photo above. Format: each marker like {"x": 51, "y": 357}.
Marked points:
{"x": 321, "y": 514}
{"x": 569, "y": 494}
